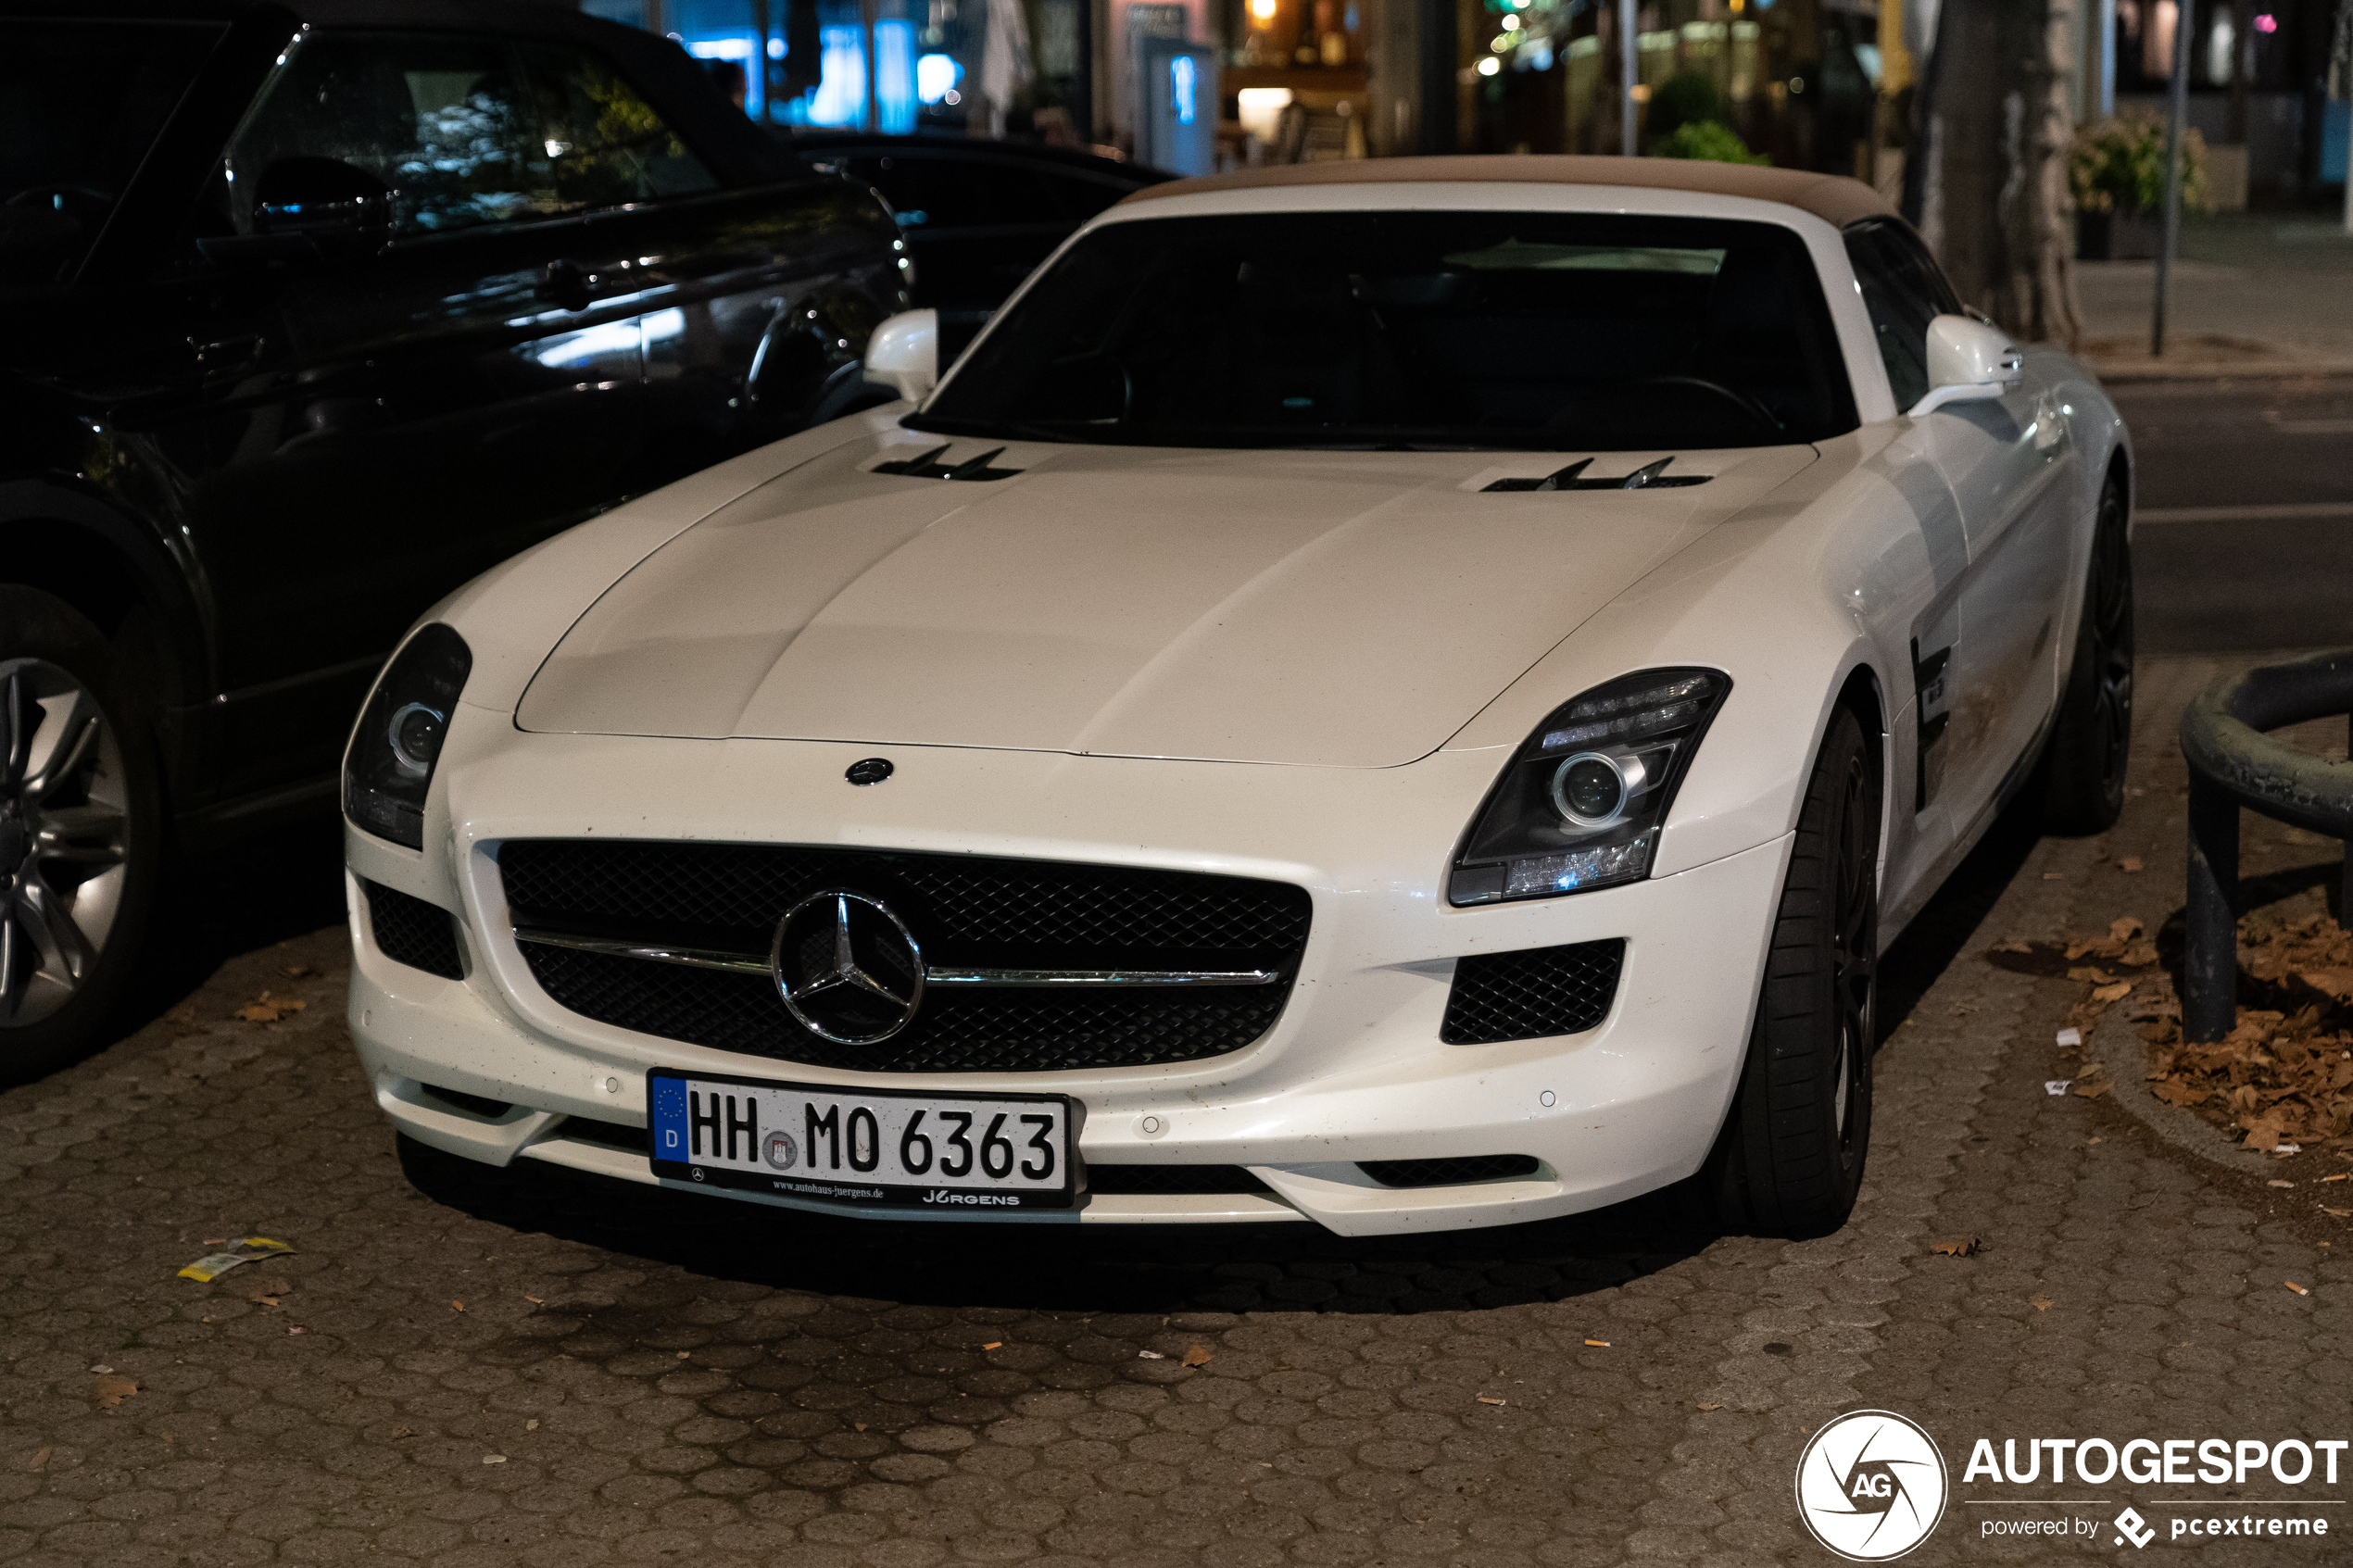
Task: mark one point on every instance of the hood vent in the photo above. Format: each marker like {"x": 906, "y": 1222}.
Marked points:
{"x": 929, "y": 466}
{"x": 1650, "y": 476}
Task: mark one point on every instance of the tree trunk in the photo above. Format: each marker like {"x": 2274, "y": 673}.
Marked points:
{"x": 1992, "y": 198}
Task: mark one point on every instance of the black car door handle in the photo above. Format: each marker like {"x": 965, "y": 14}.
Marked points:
{"x": 566, "y": 284}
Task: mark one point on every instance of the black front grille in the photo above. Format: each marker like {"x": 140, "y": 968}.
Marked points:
{"x": 1538, "y": 991}
{"x": 1447, "y": 1172}
{"x": 412, "y": 932}
{"x": 965, "y": 910}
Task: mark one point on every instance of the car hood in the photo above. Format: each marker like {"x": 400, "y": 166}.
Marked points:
{"x": 1334, "y": 608}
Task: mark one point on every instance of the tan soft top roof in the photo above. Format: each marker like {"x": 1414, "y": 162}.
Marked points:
{"x": 1833, "y": 197}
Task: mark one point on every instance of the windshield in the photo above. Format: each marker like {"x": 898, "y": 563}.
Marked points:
{"x": 80, "y": 104}
{"x": 1547, "y": 332}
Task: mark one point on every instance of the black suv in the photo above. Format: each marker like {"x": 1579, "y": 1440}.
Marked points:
{"x": 315, "y": 311}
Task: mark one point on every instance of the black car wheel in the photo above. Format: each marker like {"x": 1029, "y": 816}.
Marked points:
{"x": 81, "y": 849}
{"x": 2083, "y": 789}
{"x": 1790, "y": 1158}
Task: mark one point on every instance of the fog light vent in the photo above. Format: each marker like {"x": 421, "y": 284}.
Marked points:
{"x": 1447, "y": 1172}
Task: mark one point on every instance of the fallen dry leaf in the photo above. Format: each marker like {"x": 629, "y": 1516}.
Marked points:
{"x": 112, "y": 1391}
{"x": 2297, "y": 1288}
{"x": 2128, "y": 864}
{"x": 2053, "y": 876}
{"x": 532, "y": 1425}
{"x": 1197, "y": 1355}
{"x": 2109, "y": 994}
{"x": 2340, "y": 1213}
{"x": 296, "y": 970}
{"x": 457, "y": 1306}
{"x": 41, "y": 1460}
{"x": 2040, "y": 1303}
{"x": 1711, "y": 1406}
{"x": 266, "y": 1009}
{"x": 2092, "y": 1141}
{"x": 859, "y": 1424}
{"x": 1484, "y": 1399}
{"x": 2012, "y": 945}
{"x": 2094, "y": 1090}
{"x": 1959, "y": 1247}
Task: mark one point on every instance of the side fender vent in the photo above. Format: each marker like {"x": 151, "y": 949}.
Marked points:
{"x": 929, "y": 466}
{"x": 1650, "y": 476}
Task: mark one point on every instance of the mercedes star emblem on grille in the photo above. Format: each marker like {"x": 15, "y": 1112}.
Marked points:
{"x": 849, "y": 969}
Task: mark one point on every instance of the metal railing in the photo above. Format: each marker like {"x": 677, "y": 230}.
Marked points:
{"x": 2234, "y": 763}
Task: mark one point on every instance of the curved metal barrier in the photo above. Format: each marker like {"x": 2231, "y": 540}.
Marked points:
{"x": 2234, "y": 763}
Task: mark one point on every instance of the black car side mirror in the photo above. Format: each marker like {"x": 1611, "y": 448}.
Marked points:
{"x": 339, "y": 207}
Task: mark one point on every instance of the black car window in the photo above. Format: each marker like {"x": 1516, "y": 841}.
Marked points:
{"x": 1902, "y": 290}
{"x": 932, "y": 192}
{"x": 605, "y": 144}
{"x": 1548, "y": 332}
{"x": 80, "y": 104}
{"x": 466, "y": 130}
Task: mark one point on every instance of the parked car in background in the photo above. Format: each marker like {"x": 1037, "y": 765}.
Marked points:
{"x": 978, "y": 216}
{"x": 315, "y": 311}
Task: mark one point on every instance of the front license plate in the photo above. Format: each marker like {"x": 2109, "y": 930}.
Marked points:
{"x": 960, "y": 1153}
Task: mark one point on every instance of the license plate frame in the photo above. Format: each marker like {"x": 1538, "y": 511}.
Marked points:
{"x": 672, "y": 1113}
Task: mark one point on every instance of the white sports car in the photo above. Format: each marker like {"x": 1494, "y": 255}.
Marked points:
{"x": 1401, "y": 695}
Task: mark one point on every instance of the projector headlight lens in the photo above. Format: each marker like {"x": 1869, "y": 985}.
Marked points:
{"x": 1582, "y": 802}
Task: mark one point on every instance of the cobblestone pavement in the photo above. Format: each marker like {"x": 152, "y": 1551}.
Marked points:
{"x": 525, "y": 1370}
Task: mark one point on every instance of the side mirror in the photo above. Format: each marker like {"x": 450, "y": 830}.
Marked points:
{"x": 1968, "y": 362}
{"x": 335, "y": 204}
{"x": 904, "y": 352}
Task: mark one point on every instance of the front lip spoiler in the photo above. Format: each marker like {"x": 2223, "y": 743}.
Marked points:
{"x": 962, "y": 979}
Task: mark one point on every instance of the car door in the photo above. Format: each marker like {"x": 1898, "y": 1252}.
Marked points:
{"x": 2007, "y": 464}
{"x": 977, "y": 225}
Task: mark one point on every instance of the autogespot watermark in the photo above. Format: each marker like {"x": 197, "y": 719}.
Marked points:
{"x": 1873, "y": 1484}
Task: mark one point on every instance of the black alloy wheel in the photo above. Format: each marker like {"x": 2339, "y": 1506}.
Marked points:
{"x": 1789, "y": 1160}
{"x": 80, "y": 835}
{"x": 2092, "y": 735}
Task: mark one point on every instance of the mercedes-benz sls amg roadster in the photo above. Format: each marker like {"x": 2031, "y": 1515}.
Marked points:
{"x": 1399, "y": 695}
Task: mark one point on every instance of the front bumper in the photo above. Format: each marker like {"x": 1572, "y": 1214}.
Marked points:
{"x": 1354, "y": 1070}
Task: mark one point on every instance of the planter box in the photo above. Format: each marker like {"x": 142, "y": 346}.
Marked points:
{"x": 2118, "y": 236}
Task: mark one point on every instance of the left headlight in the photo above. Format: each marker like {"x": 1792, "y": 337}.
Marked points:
{"x": 1581, "y": 804}
{"x": 390, "y": 764}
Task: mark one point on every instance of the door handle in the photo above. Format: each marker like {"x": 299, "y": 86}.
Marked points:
{"x": 566, "y": 283}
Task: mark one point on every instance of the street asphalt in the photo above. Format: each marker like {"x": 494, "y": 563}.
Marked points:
{"x": 2245, "y": 531}
{"x": 474, "y": 1368}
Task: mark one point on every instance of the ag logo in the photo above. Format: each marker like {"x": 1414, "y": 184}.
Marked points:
{"x": 1871, "y": 1485}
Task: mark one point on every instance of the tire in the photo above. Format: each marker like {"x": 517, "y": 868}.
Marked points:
{"x": 81, "y": 834}
{"x": 1790, "y": 1158}
{"x": 2092, "y": 735}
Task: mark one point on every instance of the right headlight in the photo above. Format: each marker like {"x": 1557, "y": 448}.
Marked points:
{"x": 390, "y": 765}
{"x": 1581, "y": 804}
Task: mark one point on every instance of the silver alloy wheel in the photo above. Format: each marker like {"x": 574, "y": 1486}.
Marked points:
{"x": 65, "y": 824}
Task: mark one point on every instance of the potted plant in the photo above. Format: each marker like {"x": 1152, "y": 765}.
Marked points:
{"x": 2117, "y": 171}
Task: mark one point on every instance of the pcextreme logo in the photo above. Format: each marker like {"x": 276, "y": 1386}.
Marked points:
{"x": 1871, "y": 1486}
